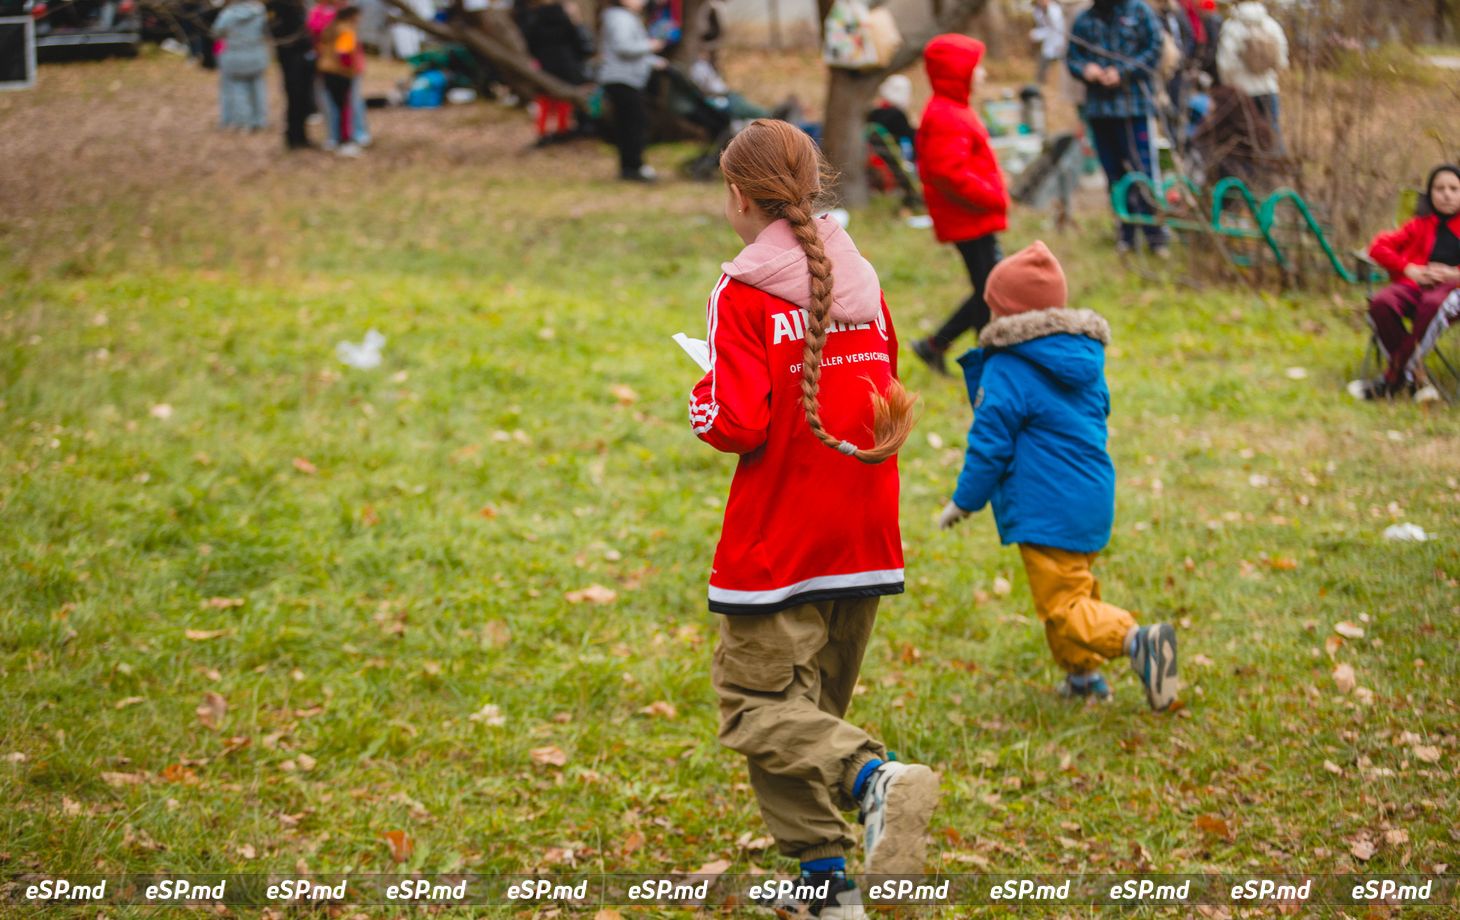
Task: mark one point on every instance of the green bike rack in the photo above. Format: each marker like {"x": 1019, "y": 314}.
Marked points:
{"x": 1264, "y": 216}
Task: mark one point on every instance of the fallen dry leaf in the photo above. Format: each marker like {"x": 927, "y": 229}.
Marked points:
{"x": 223, "y": 603}
{"x": 1332, "y": 644}
{"x": 212, "y": 711}
{"x": 559, "y": 856}
{"x": 124, "y": 779}
{"x": 661, "y": 709}
{"x": 401, "y": 846}
{"x": 716, "y": 867}
{"x": 593, "y": 594}
{"x": 632, "y": 843}
{"x": 128, "y": 701}
{"x": 756, "y": 845}
{"x": 624, "y": 394}
{"x": 1333, "y": 768}
{"x": 1002, "y": 587}
{"x": 368, "y": 516}
{"x": 161, "y": 411}
{"x": 1217, "y": 827}
{"x": 489, "y": 714}
{"x": 1397, "y": 837}
{"x": 305, "y": 467}
{"x": 1362, "y": 849}
{"x": 177, "y": 773}
{"x": 247, "y": 851}
{"x": 203, "y": 635}
{"x": 1349, "y": 630}
{"x": 550, "y": 756}
{"x": 1426, "y": 752}
{"x": 1344, "y": 678}
{"x": 306, "y": 763}
{"x": 608, "y": 913}
{"x": 1202, "y": 660}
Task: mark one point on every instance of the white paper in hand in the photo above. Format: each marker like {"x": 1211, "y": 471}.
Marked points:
{"x": 697, "y": 349}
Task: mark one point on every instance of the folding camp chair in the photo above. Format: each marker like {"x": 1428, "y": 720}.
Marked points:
{"x": 1429, "y": 364}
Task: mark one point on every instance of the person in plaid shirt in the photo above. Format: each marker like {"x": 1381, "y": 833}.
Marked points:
{"x": 1114, "y": 49}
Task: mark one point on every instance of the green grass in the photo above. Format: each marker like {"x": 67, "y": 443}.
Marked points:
{"x": 381, "y": 607}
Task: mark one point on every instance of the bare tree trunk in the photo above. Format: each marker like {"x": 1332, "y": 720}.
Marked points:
{"x": 848, "y": 97}
{"x": 690, "y": 37}
{"x": 849, "y": 93}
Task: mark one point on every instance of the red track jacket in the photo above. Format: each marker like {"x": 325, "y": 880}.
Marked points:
{"x": 961, "y": 179}
{"x": 803, "y": 523}
{"x": 1409, "y": 245}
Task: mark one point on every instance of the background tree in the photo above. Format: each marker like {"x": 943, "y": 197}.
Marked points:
{"x": 849, "y": 93}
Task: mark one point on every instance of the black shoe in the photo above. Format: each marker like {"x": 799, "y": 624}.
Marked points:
{"x": 931, "y": 355}
{"x": 824, "y": 895}
{"x": 1375, "y": 389}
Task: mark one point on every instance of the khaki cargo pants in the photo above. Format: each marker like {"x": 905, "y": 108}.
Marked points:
{"x": 1082, "y": 630}
{"x": 784, "y": 680}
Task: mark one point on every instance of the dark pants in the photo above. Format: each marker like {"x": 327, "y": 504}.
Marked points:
{"x": 1125, "y": 145}
{"x": 630, "y": 126}
{"x": 1268, "y": 106}
{"x": 980, "y": 255}
{"x": 338, "y": 87}
{"x": 1390, "y": 307}
{"x": 297, "y": 66}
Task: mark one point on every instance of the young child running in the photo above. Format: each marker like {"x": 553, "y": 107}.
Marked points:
{"x": 803, "y": 358}
{"x": 961, "y": 183}
{"x": 1036, "y": 451}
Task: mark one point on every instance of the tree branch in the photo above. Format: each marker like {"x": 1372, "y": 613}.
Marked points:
{"x": 493, "y": 49}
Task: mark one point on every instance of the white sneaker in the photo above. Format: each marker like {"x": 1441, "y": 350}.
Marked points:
{"x": 351, "y": 149}
{"x": 647, "y": 173}
{"x": 1427, "y": 393}
{"x": 895, "y": 808}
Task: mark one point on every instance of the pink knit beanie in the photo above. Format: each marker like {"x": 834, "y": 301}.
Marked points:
{"x": 1030, "y": 279}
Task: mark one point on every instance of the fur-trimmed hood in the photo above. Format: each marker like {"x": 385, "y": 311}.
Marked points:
{"x": 1067, "y": 344}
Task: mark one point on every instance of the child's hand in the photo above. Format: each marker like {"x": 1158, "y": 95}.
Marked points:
{"x": 1093, "y": 72}
{"x": 1110, "y": 76}
{"x": 951, "y": 515}
{"x": 1440, "y": 273}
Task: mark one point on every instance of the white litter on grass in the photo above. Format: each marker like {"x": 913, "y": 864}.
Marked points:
{"x": 1406, "y": 533}
{"x": 1297, "y": 373}
{"x": 364, "y": 356}
{"x": 919, "y": 221}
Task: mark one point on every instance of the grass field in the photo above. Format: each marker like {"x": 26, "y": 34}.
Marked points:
{"x": 259, "y": 610}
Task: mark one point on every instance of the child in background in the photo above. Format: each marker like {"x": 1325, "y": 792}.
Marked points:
{"x": 562, "y": 46}
{"x": 1421, "y": 258}
{"x": 803, "y": 358}
{"x": 961, "y": 183}
{"x": 341, "y": 62}
{"x": 1037, "y": 452}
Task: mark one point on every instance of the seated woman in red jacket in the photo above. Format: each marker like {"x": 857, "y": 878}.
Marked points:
{"x": 1421, "y": 258}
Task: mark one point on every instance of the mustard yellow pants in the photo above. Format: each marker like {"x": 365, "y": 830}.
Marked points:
{"x": 1082, "y": 630}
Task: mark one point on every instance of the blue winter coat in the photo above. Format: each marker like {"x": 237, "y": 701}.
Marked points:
{"x": 1037, "y": 446}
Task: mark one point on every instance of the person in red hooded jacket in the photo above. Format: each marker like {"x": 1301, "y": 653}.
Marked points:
{"x": 961, "y": 183}
{"x": 1422, "y": 258}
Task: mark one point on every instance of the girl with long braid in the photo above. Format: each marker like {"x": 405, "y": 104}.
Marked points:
{"x": 803, "y": 386}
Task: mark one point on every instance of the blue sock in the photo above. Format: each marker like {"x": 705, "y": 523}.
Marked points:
{"x": 860, "y": 785}
{"x": 1082, "y": 680}
{"x": 829, "y": 864}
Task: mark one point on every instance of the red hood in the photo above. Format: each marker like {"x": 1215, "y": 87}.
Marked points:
{"x": 951, "y": 60}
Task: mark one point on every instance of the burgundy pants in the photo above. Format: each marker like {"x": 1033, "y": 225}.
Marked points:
{"x": 1390, "y": 307}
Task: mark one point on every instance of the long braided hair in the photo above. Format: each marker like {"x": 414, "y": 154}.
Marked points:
{"x": 777, "y": 166}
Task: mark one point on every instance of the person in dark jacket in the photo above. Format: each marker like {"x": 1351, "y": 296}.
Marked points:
{"x": 962, "y": 184}
{"x": 294, "y": 49}
{"x": 1115, "y": 48}
{"x": 628, "y": 56}
{"x": 1037, "y": 453}
{"x": 562, "y": 47}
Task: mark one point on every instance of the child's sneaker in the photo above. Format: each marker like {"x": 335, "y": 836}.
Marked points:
{"x": 350, "y": 149}
{"x": 1153, "y": 657}
{"x": 1085, "y": 687}
{"x": 895, "y": 808}
{"x": 840, "y": 901}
